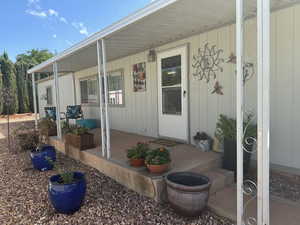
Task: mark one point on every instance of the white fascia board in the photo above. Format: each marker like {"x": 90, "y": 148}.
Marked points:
{"x": 149, "y": 9}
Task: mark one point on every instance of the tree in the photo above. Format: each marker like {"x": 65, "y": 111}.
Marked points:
{"x": 22, "y": 87}
{"x": 24, "y": 62}
{"x": 9, "y": 82}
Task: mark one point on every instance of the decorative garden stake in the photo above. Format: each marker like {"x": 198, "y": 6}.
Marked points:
{"x": 207, "y": 63}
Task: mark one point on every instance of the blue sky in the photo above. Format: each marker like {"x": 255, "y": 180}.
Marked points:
{"x": 57, "y": 24}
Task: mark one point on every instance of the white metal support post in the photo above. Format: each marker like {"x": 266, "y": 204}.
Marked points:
{"x": 240, "y": 107}
{"x": 103, "y": 141}
{"x": 263, "y": 120}
{"x": 58, "y": 124}
{"x": 34, "y": 100}
{"x": 106, "y": 99}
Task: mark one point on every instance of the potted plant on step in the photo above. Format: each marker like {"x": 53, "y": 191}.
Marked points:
{"x": 40, "y": 157}
{"x": 158, "y": 160}
{"x": 137, "y": 154}
{"x": 226, "y": 133}
{"x": 79, "y": 137}
{"x": 67, "y": 191}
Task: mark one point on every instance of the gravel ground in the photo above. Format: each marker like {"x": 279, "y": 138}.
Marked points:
{"x": 24, "y": 200}
{"x": 283, "y": 187}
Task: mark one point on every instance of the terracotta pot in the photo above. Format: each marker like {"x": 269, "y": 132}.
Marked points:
{"x": 158, "y": 168}
{"x": 137, "y": 162}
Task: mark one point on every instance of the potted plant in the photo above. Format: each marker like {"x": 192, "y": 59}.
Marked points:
{"x": 203, "y": 141}
{"x": 158, "y": 160}
{"x": 67, "y": 191}
{"x": 40, "y": 157}
{"x": 137, "y": 154}
{"x": 79, "y": 137}
{"x": 226, "y": 133}
{"x": 47, "y": 127}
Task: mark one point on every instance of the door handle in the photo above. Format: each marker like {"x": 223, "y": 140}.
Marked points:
{"x": 184, "y": 93}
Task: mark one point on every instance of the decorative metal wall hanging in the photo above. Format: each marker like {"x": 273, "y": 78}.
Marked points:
{"x": 218, "y": 89}
{"x": 248, "y": 68}
{"x": 139, "y": 77}
{"x": 207, "y": 63}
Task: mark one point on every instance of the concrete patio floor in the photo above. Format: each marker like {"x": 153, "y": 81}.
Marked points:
{"x": 184, "y": 156}
{"x": 282, "y": 211}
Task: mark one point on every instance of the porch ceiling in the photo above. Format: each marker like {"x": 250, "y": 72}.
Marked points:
{"x": 140, "y": 31}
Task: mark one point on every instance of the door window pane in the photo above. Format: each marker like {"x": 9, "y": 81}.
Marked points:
{"x": 171, "y": 101}
{"x": 171, "y": 71}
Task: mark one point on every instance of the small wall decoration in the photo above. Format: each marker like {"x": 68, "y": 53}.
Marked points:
{"x": 218, "y": 89}
{"x": 248, "y": 68}
{"x": 207, "y": 63}
{"x": 139, "y": 77}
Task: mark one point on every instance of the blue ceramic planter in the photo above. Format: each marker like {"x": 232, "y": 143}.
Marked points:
{"x": 67, "y": 198}
{"x": 39, "y": 157}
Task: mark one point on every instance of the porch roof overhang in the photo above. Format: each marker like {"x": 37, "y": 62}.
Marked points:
{"x": 160, "y": 22}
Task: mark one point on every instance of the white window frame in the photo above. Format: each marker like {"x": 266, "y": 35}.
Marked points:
{"x": 118, "y": 72}
{"x": 94, "y": 79}
{"x": 51, "y": 92}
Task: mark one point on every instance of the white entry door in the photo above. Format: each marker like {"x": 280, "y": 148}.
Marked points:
{"x": 172, "y": 94}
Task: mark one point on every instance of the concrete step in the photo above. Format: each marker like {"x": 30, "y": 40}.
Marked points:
{"x": 220, "y": 178}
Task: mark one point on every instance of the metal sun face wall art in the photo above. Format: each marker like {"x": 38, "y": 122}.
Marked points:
{"x": 208, "y": 63}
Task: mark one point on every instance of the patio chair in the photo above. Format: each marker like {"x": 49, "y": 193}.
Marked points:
{"x": 74, "y": 112}
{"x": 51, "y": 113}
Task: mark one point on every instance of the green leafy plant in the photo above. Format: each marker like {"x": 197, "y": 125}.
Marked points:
{"x": 77, "y": 130}
{"x": 46, "y": 124}
{"x": 64, "y": 177}
{"x": 226, "y": 128}
{"x": 158, "y": 156}
{"x": 138, "y": 152}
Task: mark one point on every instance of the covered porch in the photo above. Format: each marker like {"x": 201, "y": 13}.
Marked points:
{"x": 185, "y": 157}
{"x": 166, "y": 25}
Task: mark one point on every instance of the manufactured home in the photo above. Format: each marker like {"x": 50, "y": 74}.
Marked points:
{"x": 171, "y": 69}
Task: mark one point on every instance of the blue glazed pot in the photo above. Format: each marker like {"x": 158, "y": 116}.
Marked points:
{"x": 40, "y": 155}
{"x": 67, "y": 198}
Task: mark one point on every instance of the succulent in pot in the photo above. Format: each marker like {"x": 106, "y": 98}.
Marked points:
{"x": 137, "y": 154}
{"x": 67, "y": 191}
{"x": 158, "y": 160}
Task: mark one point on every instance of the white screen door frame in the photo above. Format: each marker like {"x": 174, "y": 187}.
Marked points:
{"x": 173, "y": 116}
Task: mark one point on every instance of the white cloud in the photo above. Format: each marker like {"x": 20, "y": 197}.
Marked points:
{"x": 41, "y": 14}
{"x": 54, "y": 36}
{"x": 63, "y": 19}
{"x": 52, "y": 12}
{"x": 81, "y": 28}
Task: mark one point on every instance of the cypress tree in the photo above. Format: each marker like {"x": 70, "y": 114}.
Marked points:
{"x": 23, "y": 97}
{"x": 9, "y": 81}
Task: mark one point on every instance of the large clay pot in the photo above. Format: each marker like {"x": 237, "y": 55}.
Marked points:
{"x": 158, "y": 168}
{"x": 188, "y": 192}
{"x": 67, "y": 198}
{"x": 137, "y": 162}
